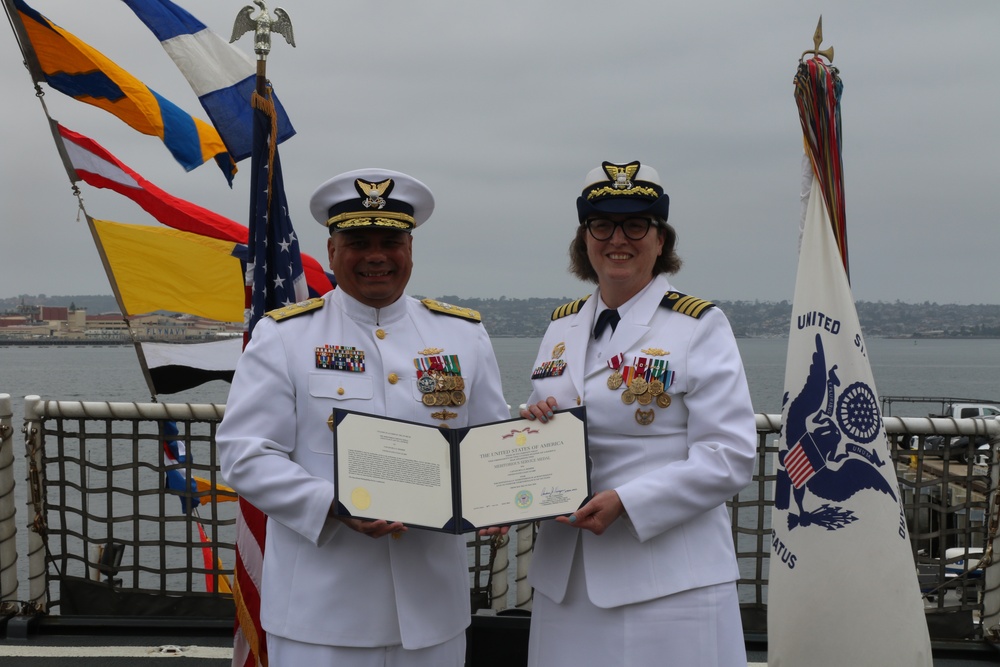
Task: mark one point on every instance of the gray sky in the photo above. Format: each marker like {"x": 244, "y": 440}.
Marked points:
{"x": 502, "y": 108}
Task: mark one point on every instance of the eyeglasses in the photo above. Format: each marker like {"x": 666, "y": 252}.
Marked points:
{"x": 634, "y": 229}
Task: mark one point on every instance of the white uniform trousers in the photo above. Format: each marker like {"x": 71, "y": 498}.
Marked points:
{"x": 700, "y": 627}
{"x": 283, "y": 652}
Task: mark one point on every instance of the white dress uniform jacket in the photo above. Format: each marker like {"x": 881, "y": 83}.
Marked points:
{"x": 673, "y": 475}
{"x": 324, "y": 583}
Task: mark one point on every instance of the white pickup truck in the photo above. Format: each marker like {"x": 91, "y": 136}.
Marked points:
{"x": 957, "y": 447}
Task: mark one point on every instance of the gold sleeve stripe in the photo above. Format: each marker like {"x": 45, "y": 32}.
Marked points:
{"x": 286, "y": 312}
{"x": 687, "y": 305}
{"x": 571, "y": 308}
{"x": 456, "y": 311}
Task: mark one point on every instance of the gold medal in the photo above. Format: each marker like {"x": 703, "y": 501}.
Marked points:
{"x": 628, "y": 398}
{"x": 442, "y": 398}
{"x": 638, "y": 386}
{"x": 458, "y": 398}
{"x": 449, "y": 383}
{"x": 644, "y": 399}
{"x": 655, "y": 387}
{"x": 615, "y": 381}
{"x": 430, "y": 399}
{"x": 644, "y": 418}
{"x": 663, "y": 400}
{"x": 459, "y": 383}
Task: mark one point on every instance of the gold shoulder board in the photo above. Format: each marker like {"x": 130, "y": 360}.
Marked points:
{"x": 688, "y": 305}
{"x": 571, "y": 308}
{"x": 294, "y": 309}
{"x": 448, "y": 309}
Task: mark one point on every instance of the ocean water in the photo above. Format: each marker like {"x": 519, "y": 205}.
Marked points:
{"x": 957, "y": 368}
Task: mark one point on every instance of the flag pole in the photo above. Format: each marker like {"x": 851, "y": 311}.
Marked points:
{"x": 249, "y": 638}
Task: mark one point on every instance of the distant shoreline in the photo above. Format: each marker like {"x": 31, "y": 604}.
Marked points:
{"x": 57, "y": 342}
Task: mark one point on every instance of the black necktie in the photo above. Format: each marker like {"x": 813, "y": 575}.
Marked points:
{"x": 607, "y": 316}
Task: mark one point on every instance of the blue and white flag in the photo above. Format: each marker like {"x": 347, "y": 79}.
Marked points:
{"x": 842, "y": 583}
{"x": 222, "y": 76}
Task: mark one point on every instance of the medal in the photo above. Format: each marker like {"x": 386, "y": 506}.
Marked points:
{"x": 663, "y": 400}
{"x": 628, "y": 398}
{"x": 439, "y": 379}
{"x": 655, "y": 387}
{"x": 644, "y": 418}
{"x": 426, "y": 384}
{"x": 638, "y": 386}
{"x": 644, "y": 399}
{"x": 615, "y": 381}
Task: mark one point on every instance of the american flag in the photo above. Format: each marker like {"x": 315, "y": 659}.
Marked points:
{"x": 274, "y": 266}
{"x": 274, "y": 278}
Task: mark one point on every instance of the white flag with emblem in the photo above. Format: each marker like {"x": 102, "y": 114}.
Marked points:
{"x": 842, "y": 584}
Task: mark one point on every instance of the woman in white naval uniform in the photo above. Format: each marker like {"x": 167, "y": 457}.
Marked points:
{"x": 644, "y": 573}
{"x": 331, "y": 594}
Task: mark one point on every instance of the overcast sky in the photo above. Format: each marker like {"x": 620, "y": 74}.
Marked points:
{"x": 503, "y": 107}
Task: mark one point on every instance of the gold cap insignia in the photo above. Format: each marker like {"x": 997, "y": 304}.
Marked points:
{"x": 621, "y": 176}
{"x": 374, "y": 193}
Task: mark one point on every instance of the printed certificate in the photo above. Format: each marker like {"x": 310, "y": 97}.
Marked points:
{"x": 459, "y": 480}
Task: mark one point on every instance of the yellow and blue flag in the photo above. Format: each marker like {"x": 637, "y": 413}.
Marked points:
{"x": 222, "y": 76}
{"x": 73, "y": 67}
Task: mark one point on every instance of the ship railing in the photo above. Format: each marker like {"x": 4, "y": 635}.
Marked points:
{"x": 108, "y": 536}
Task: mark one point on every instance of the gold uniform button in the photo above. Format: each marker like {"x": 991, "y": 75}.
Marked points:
{"x": 393, "y": 378}
{"x": 340, "y": 391}
{"x": 380, "y": 334}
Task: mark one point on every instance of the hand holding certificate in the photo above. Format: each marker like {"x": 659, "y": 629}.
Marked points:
{"x": 460, "y": 480}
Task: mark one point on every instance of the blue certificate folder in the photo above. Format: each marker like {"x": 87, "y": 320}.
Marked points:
{"x": 458, "y": 480}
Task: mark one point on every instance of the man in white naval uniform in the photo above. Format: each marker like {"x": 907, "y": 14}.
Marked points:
{"x": 337, "y": 590}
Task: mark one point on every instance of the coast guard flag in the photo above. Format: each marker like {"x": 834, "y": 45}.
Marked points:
{"x": 842, "y": 584}
{"x": 222, "y": 76}
{"x": 72, "y": 67}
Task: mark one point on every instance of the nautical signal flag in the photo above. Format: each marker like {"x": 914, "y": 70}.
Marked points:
{"x": 73, "y": 67}
{"x": 221, "y": 75}
{"x": 96, "y": 166}
{"x": 842, "y": 585}
{"x": 175, "y": 367}
{"x": 158, "y": 268}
